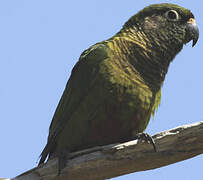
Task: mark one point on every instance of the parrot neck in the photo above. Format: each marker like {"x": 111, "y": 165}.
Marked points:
{"x": 149, "y": 55}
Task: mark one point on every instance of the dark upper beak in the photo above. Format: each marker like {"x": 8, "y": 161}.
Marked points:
{"x": 192, "y": 31}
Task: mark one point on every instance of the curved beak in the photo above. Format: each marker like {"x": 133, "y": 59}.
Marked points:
{"x": 192, "y": 31}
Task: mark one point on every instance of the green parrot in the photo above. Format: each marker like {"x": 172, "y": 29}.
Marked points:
{"x": 115, "y": 87}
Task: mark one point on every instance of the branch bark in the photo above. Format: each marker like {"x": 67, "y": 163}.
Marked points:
{"x": 113, "y": 160}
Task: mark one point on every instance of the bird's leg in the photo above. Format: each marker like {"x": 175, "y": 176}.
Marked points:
{"x": 62, "y": 158}
{"x": 147, "y": 138}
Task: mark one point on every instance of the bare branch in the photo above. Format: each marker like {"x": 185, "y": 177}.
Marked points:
{"x": 118, "y": 159}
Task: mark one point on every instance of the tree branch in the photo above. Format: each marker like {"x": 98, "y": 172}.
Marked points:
{"x": 118, "y": 159}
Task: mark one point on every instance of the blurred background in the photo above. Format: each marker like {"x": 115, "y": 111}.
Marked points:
{"x": 40, "y": 41}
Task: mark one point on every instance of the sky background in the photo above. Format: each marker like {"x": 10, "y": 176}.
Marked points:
{"x": 41, "y": 40}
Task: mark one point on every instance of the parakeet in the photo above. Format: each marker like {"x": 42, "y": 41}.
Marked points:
{"x": 115, "y": 87}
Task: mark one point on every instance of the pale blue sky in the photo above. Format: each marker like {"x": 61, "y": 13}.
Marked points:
{"x": 41, "y": 40}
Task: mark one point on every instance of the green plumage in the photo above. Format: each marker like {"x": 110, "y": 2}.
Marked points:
{"x": 115, "y": 86}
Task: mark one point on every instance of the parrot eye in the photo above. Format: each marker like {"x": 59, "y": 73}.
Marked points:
{"x": 172, "y": 15}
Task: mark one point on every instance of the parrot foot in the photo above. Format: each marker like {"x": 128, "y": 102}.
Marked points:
{"x": 147, "y": 138}
{"x": 62, "y": 158}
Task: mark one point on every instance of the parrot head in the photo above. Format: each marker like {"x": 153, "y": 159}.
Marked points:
{"x": 165, "y": 25}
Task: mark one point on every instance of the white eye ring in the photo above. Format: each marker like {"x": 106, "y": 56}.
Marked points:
{"x": 172, "y": 15}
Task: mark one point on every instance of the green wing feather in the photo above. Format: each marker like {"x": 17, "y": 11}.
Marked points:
{"x": 82, "y": 82}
